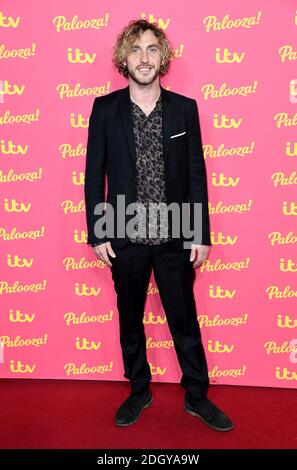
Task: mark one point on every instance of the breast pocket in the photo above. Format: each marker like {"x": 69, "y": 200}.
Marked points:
{"x": 179, "y": 147}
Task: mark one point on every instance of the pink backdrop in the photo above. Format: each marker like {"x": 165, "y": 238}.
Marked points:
{"x": 58, "y": 307}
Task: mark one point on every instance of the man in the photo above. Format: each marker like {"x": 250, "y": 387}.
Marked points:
{"x": 147, "y": 140}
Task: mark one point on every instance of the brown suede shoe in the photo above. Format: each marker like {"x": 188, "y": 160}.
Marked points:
{"x": 209, "y": 413}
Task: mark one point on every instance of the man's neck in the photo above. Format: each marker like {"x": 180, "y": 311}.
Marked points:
{"x": 145, "y": 96}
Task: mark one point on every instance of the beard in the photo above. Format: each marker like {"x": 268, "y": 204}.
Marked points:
{"x": 144, "y": 80}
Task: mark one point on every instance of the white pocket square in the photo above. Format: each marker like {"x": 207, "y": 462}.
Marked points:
{"x": 177, "y": 135}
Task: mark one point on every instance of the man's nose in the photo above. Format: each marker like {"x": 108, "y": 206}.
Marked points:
{"x": 144, "y": 57}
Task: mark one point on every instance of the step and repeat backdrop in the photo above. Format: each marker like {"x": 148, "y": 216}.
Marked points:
{"x": 58, "y": 313}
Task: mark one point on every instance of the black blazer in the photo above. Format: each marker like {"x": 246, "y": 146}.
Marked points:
{"x": 110, "y": 151}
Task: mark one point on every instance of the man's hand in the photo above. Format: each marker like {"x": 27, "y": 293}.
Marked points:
{"x": 103, "y": 250}
{"x": 199, "y": 251}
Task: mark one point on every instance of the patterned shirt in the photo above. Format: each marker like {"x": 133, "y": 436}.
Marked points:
{"x": 150, "y": 174}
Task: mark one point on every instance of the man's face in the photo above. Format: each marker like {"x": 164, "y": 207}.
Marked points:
{"x": 144, "y": 60}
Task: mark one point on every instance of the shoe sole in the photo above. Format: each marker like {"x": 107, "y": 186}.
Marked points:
{"x": 193, "y": 413}
{"x": 137, "y": 417}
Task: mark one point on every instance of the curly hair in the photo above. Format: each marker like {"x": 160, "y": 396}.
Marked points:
{"x": 127, "y": 37}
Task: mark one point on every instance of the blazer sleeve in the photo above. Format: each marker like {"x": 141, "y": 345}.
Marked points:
{"x": 95, "y": 170}
{"x": 197, "y": 174}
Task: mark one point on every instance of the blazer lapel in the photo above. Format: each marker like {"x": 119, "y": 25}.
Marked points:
{"x": 167, "y": 121}
{"x": 125, "y": 112}
{"x": 126, "y": 117}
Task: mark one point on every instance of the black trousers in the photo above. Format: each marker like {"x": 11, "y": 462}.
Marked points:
{"x": 174, "y": 274}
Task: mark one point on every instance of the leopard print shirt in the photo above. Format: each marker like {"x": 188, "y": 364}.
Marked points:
{"x": 150, "y": 174}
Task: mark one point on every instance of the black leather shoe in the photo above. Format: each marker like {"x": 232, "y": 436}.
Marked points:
{"x": 209, "y": 413}
{"x": 131, "y": 409}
